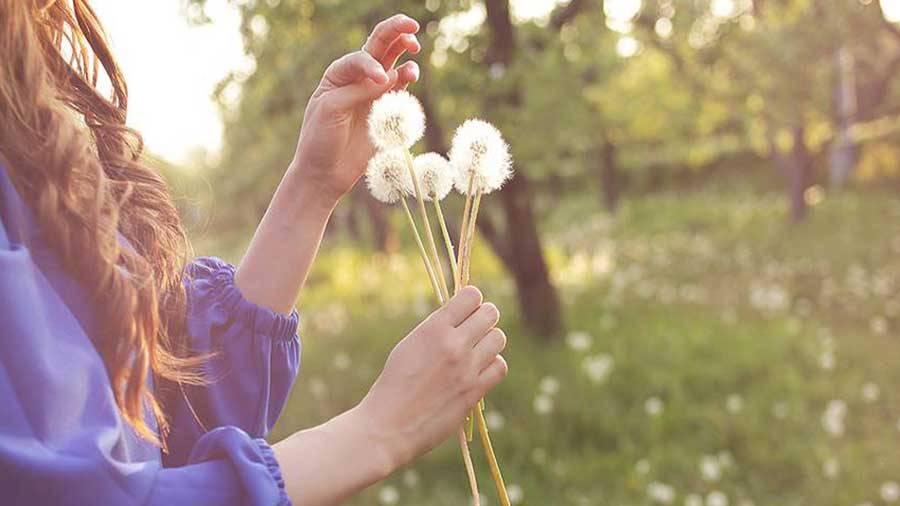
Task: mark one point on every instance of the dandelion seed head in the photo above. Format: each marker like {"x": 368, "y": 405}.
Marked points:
{"x": 387, "y": 176}
{"x": 890, "y": 491}
{"x": 653, "y": 406}
{"x": 479, "y": 152}
{"x": 661, "y": 492}
{"x": 396, "y": 121}
{"x": 716, "y": 498}
{"x": 710, "y": 468}
{"x": 435, "y": 175}
{"x": 693, "y": 500}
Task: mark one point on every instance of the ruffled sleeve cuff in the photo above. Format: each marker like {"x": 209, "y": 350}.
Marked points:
{"x": 212, "y": 278}
{"x": 252, "y": 460}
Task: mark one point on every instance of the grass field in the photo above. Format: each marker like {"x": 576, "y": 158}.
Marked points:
{"x": 715, "y": 356}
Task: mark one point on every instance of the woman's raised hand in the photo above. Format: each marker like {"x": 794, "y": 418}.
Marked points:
{"x": 334, "y": 145}
{"x": 435, "y": 375}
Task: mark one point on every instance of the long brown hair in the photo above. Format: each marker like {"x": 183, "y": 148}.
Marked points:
{"x": 77, "y": 165}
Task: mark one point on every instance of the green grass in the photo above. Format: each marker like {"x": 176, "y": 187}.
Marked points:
{"x": 706, "y": 303}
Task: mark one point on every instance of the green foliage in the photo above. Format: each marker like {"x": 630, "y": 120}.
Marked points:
{"x": 703, "y": 301}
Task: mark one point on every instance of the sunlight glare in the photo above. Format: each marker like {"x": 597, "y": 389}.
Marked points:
{"x": 891, "y": 10}
{"x": 623, "y": 10}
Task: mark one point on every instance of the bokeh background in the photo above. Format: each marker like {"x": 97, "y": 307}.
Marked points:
{"x": 697, "y": 260}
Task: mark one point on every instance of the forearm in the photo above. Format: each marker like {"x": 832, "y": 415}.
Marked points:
{"x": 327, "y": 464}
{"x": 284, "y": 246}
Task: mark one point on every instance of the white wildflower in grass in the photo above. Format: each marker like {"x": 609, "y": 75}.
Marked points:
{"x": 410, "y": 478}
{"x": 780, "y": 410}
{"x": 734, "y": 404}
{"x": 387, "y": 176}
{"x": 653, "y": 406}
{"x": 341, "y": 361}
{"x": 890, "y": 491}
{"x": 495, "y": 420}
{"x": 539, "y": 456}
{"x": 317, "y": 387}
{"x": 870, "y": 392}
{"x": 549, "y": 385}
{"x": 661, "y": 493}
{"x": 579, "y": 341}
{"x": 716, "y": 498}
{"x": 435, "y": 176}
{"x": 833, "y": 417}
{"x": 642, "y": 467}
{"x": 396, "y": 121}
{"x": 831, "y": 468}
{"x": 710, "y": 468}
{"x": 388, "y": 495}
{"x": 543, "y": 404}
{"x": 597, "y": 367}
{"x": 693, "y": 500}
{"x": 479, "y": 153}
{"x": 515, "y": 493}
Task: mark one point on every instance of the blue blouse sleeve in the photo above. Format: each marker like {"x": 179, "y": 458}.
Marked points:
{"x": 62, "y": 440}
{"x": 255, "y": 359}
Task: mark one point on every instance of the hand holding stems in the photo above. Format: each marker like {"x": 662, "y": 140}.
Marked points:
{"x": 429, "y": 381}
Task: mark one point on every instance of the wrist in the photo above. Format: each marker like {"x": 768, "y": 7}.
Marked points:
{"x": 317, "y": 191}
{"x": 386, "y": 451}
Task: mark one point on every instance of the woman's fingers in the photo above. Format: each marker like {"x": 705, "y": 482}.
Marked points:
{"x": 489, "y": 347}
{"x": 386, "y": 32}
{"x": 407, "y": 73}
{"x": 354, "y": 67}
{"x": 404, "y": 43}
{"x": 458, "y": 308}
{"x": 494, "y": 373}
{"x": 350, "y": 96}
{"x": 481, "y": 321}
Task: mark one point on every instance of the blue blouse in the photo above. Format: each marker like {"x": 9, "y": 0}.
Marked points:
{"x": 62, "y": 440}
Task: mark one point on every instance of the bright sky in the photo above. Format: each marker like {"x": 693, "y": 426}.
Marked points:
{"x": 171, "y": 68}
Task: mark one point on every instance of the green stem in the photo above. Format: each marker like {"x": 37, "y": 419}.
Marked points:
{"x": 415, "y": 229}
{"x": 448, "y": 243}
{"x": 491, "y": 458}
{"x": 436, "y": 259}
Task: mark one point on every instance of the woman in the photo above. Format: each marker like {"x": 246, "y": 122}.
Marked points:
{"x": 130, "y": 376}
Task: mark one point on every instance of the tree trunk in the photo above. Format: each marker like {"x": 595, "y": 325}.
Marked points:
{"x": 798, "y": 174}
{"x": 524, "y": 255}
{"x": 843, "y": 151}
{"x": 384, "y": 237}
{"x": 608, "y": 173}
{"x": 537, "y": 296}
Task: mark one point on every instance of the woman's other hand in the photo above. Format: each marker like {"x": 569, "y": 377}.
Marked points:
{"x": 334, "y": 145}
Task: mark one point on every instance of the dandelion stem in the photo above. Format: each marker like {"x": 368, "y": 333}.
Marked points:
{"x": 470, "y": 237}
{"x": 470, "y": 469}
{"x": 415, "y": 229}
{"x": 491, "y": 458}
{"x": 448, "y": 243}
{"x": 423, "y": 211}
{"x": 464, "y": 228}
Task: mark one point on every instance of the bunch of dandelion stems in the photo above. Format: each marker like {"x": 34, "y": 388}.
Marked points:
{"x": 460, "y": 270}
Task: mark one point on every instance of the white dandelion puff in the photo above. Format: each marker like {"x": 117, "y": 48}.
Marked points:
{"x": 693, "y": 500}
{"x": 890, "y": 491}
{"x": 661, "y": 492}
{"x": 435, "y": 175}
{"x": 716, "y": 498}
{"x": 387, "y": 176}
{"x": 654, "y": 406}
{"x": 710, "y": 468}
{"x": 479, "y": 152}
{"x": 396, "y": 121}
